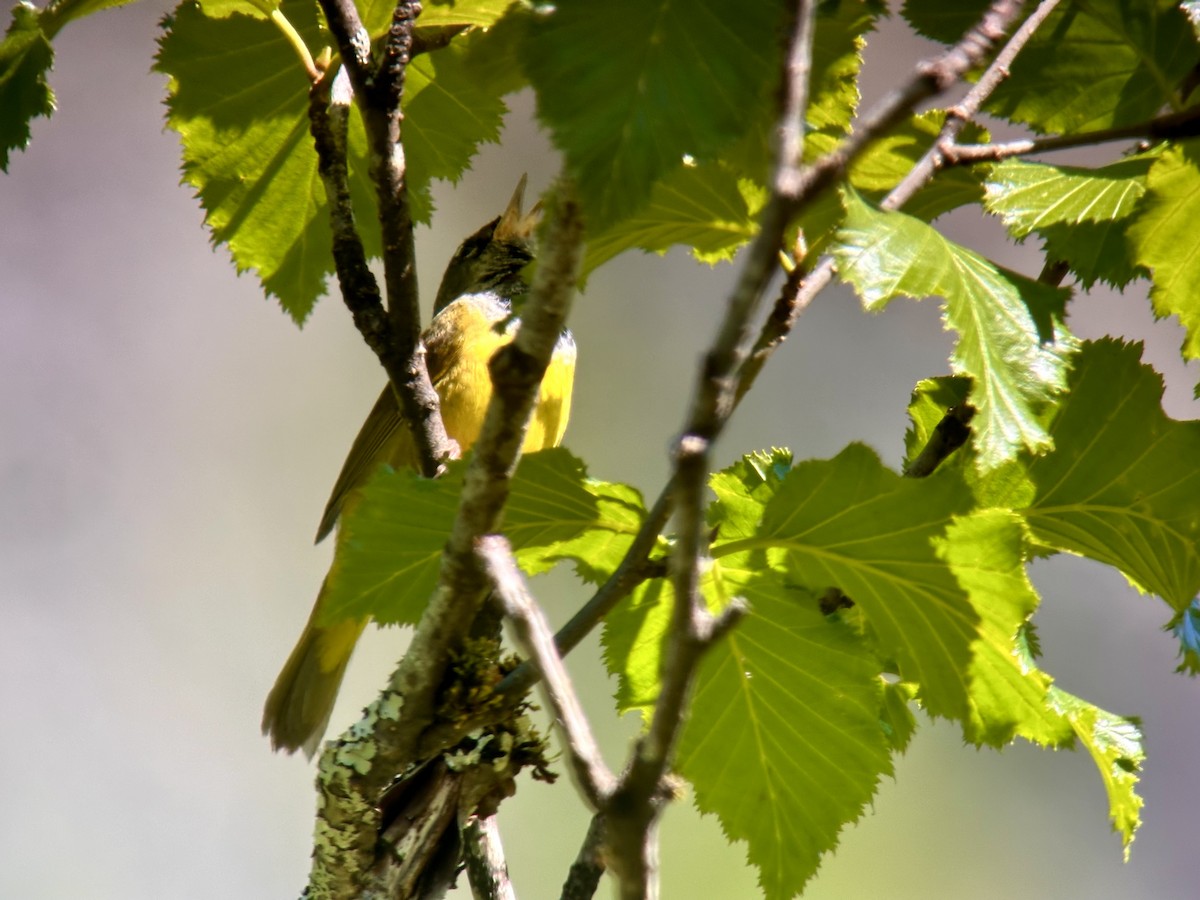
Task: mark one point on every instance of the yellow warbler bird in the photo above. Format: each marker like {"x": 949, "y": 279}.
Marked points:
{"x": 473, "y": 318}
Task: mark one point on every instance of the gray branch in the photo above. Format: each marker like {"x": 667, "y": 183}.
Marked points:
{"x": 534, "y": 637}
{"x": 394, "y": 336}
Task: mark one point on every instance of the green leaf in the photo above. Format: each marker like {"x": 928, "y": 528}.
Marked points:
{"x": 899, "y": 723}
{"x": 787, "y": 732}
{"x": 26, "y": 55}
{"x": 625, "y": 105}
{"x": 219, "y": 9}
{"x": 238, "y": 98}
{"x": 851, "y": 523}
{"x": 389, "y": 547}
{"x": 1011, "y": 338}
{"x": 1169, "y": 211}
{"x": 1083, "y": 214}
{"x": 600, "y": 548}
{"x": 699, "y": 206}
{"x": 57, "y": 14}
{"x": 840, "y": 35}
{"x": 1091, "y": 65}
{"x": 1007, "y": 485}
{"x": 986, "y": 553}
{"x": 632, "y": 640}
{"x": 555, "y": 513}
{"x": 1100, "y": 64}
{"x": 712, "y": 207}
{"x": 784, "y": 741}
{"x": 838, "y": 41}
{"x": 377, "y": 14}
{"x": 1191, "y": 9}
{"x": 25, "y": 58}
{"x": 453, "y": 102}
{"x": 944, "y": 22}
{"x": 1115, "y": 743}
{"x": 744, "y": 489}
{"x": 1122, "y": 486}
{"x": 391, "y": 540}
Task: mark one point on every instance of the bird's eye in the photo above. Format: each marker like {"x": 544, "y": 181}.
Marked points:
{"x": 474, "y": 248}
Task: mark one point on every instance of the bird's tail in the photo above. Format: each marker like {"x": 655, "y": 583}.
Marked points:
{"x": 298, "y": 707}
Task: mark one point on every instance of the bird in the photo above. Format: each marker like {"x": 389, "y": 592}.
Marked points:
{"x": 474, "y": 316}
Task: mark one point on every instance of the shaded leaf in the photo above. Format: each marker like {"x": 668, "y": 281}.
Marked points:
{"x": 25, "y": 58}
{"x": 1093, "y": 65}
{"x": 698, "y": 206}
{"x": 625, "y": 105}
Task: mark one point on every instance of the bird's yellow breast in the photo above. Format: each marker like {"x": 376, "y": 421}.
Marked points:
{"x": 461, "y": 341}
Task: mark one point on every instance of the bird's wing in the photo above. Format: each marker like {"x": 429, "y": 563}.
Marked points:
{"x": 383, "y": 437}
{"x": 368, "y": 450}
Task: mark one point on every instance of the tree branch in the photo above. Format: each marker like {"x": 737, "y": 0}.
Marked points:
{"x": 966, "y": 110}
{"x": 633, "y": 813}
{"x": 584, "y": 875}
{"x": 1173, "y": 126}
{"x": 637, "y": 803}
{"x": 803, "y": 286}
{"x": 948, "y": 435}
{"x": 533, "y": 635}
{"x": 486, "y": 869}
{"x": 378, "y": 92}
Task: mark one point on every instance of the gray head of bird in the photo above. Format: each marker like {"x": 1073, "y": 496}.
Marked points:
{"x": 494, "y": 257}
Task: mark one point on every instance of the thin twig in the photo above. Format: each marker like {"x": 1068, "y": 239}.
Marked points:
{"x": 328, "y": 113}
{"x": 966, "y": 110}
{"x": 778, "y": 325}
{"x": 803, "y": 287}
{"x": 948, "y": 435}
{"x": 584, "y": 875}
{"x": 1173, "y": 126}
{"x": 534, "y": 637}
{"x": 484, "y": 853}
{"x": 644, "y": 789}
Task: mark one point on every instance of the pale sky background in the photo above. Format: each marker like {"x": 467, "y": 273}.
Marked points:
{"x": 167, "y": 441}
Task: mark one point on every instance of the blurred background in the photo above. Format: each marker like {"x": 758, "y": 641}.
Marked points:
{"x": 167, "y": 442}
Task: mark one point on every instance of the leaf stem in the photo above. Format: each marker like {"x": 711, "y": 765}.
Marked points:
{"x": 297, "y": 42}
